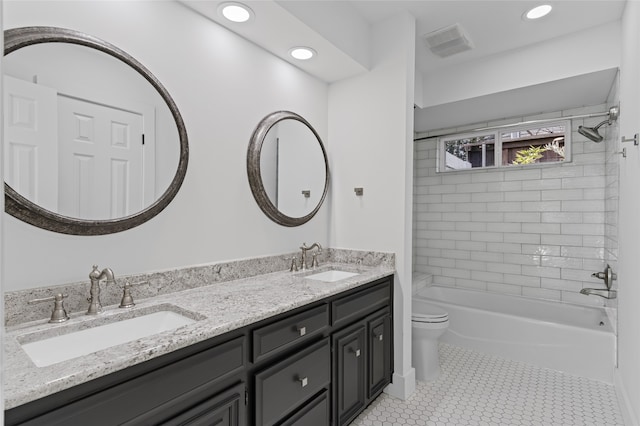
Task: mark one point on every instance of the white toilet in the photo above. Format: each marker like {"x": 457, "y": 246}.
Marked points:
{"x": 428, "y": 323}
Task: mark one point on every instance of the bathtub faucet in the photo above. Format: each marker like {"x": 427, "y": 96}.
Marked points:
{"x": 607, "y": 294}
{"x": 607, "y": 276}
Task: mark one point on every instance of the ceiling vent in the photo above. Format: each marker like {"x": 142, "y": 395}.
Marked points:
{"x": 448, "y": 41}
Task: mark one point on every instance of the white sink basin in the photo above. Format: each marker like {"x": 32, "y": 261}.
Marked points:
{"x": 331, "y": 276}
{"x": 72, "y": 345}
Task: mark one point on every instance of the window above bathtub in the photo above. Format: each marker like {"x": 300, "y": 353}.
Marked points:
{"x": 518, "y": 145}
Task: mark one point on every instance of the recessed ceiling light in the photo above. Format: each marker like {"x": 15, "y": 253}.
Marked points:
{"x": 538, "y": 11}
{"x": 302, "y": 53}
{"x": 235, "y": 12}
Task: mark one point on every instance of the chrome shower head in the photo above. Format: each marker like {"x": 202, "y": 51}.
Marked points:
{"x": 592, "y": 132}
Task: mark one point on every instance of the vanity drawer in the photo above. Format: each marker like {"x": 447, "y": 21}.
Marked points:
{"x": 289, "y": 331}
{"x": 359, "y": 304}
{"x": 314, "y": 413}
{"x": 282, "y": 388}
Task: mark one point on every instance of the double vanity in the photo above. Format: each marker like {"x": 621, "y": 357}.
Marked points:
{"x": 253, "y": 342}
{"x": 312, "y": 347}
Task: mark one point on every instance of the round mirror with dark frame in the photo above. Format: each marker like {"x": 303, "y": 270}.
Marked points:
{"x": 287, "y": 168}
{"x": 93, "y": 142}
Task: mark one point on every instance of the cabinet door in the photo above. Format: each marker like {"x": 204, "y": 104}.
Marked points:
{"x": 379, "y": 353}
{"x": 349, "y": 372}
{"x": 225, "y": 409}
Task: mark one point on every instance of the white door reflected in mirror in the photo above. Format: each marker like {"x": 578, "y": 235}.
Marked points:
{"x": 86, "y": 136}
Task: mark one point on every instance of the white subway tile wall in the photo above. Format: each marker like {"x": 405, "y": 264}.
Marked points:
{"x": 533, "y": 231}
{"x": 613, "y": 147}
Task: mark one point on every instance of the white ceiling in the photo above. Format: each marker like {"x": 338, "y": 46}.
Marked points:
{"x": 339, "y": 31}
{"x": 493, "y": 26}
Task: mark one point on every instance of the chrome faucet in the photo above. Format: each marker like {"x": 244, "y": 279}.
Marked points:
{"x": 95, "y": 307}
{"x": 607, "y": 276}
{"x": 303, "y": 260}
{"x": 607, "y": 294}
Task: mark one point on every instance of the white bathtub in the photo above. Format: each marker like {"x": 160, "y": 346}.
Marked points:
{"x": 575, "y": 339}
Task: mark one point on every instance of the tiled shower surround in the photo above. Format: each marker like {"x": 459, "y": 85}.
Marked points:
{"x": 535, "y": 231}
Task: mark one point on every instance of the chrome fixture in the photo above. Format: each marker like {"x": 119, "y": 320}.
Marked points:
{"x": 635, "y": 139}
{"x": 294, "y": 264}
{"x": 95, "y": 307}
{"x": 59, "y": 314}
{"x": 592, "y": 132}
{"x": 607, "y": 276}
{"x": 303, "y": 260}
{"x": 314, "y": 260}
{"x": 127, "y": 299}
{"x": 607, "y": 294}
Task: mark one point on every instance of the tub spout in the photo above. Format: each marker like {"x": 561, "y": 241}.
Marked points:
{"x": 607, "y": 294}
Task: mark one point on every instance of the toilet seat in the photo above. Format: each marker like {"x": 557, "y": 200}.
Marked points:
{"x": 428, "y": 313}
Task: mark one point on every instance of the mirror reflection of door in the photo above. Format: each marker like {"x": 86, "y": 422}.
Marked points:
{"x": 101, "y": 172}
{"x": 30, "y": 131}
{"x": 101, "y": 151}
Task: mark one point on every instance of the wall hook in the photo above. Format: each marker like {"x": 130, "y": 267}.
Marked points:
{"x": 623, "y": 152}
{"x": 358, "y": 191}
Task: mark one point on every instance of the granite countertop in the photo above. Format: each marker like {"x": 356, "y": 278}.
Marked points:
{"x": 218, "y": 308}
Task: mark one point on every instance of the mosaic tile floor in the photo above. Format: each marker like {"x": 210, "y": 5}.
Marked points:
{"x": 476, "y": 389}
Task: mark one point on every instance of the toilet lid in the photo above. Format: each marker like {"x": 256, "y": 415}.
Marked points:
{"x": 426, "y": 312}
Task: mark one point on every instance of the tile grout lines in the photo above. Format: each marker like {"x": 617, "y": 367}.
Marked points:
{"x": 477, "y": 389}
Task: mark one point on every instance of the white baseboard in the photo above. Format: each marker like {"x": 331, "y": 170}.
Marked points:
{"x": 626, "y": 408}
{"x": 402, "y": 386}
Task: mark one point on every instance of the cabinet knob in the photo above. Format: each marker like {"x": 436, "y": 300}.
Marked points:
{"x": 356, "y": 352}
{"x": 380, "y": 337}
{"x": 303, "y": 381}
{"x": 302, "y": 330}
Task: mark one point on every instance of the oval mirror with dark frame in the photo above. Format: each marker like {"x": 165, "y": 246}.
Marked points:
{"x": 287, "y": 168}
{"x": 93, "y": 142}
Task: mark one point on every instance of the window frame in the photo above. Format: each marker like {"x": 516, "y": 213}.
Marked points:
{"x": 497, "y": 135}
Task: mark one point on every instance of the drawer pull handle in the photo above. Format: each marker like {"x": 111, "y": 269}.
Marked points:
{"x": 302, "y": 330}
{"x": 304, "y": 381}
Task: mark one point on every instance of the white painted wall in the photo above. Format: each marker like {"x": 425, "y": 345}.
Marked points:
{"x": 553, "y": 60}
{"x": 628, "y": 374}
{"x": 223, "y": 86}
{"x": 371, "y": 132}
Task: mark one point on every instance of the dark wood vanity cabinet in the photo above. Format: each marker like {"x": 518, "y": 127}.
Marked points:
{"x": 317, "y": 365}
{"x": 362, "y": 364}
{"x": 224, "y": 409}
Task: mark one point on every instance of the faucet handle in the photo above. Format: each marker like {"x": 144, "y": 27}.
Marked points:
{"x": 59, "y": 314}
{"x": 314, "y": 259}
{"x": 294, "y": 264}
{"x": 127, "y": 299}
